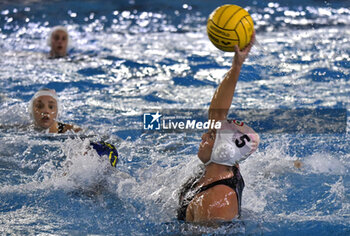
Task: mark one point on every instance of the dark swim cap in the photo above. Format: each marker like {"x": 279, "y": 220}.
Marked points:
{"x": 104, "y": 148}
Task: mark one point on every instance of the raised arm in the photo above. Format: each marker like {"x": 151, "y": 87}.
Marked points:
{"x": 222, "y": 99}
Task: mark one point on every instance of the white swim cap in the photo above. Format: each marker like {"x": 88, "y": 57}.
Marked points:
{"x": 58, "y": 27}
{"x": 234, "y": 142}
{"x": 43, "y": 92}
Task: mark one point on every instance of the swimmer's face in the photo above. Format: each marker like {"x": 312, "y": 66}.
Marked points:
{"x": 206, "y": 146}
{"x": 45, "y": 111}
{"x": 59, "y": 42}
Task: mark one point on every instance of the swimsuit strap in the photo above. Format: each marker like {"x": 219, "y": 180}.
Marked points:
{"x": 228, "y": 182}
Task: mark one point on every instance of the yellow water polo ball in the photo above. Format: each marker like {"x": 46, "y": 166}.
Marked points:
{"x": 230, "y": 25}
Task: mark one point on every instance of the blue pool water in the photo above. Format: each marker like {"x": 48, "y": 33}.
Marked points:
{"x": 128, "y": 57}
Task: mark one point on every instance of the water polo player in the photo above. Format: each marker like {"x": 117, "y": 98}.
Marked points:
{"x": 216, "y": 194}
{"x": 44, "y": 109}
{"x": 59, "y": 41}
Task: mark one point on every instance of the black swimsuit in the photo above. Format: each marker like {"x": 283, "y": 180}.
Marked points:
{"x": 60, "y": 127}
{"x": 236, "y": 182}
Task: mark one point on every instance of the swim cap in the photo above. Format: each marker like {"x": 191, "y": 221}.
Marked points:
{"x": 58, "y": 27}
{"x": 104, "y": 148}
{"x": 234, "y": 142}
{"x": 43, "y": 92}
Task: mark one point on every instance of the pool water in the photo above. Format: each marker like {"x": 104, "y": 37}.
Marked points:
{"x": 130, "y": 57}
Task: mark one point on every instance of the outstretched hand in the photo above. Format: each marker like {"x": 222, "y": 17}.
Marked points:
{"x": 241, "y": 55}
{"x": 222, "y": 99}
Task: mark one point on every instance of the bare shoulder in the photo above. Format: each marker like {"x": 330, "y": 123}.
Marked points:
{"x": 71, "y": 127}
{"x": 217, "y": 203}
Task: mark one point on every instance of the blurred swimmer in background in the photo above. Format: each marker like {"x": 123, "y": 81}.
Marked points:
{"x": 216, "y": 194}
{"x": 44, "y": 109}
{"x": 59, "y": 42}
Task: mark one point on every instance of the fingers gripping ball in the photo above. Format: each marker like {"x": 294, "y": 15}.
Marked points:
{"x": 104, "y": 148}
{"x": 230, "y": 25}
